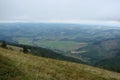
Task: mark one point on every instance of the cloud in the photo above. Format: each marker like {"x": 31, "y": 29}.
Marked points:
{"x": 59, "y": 10}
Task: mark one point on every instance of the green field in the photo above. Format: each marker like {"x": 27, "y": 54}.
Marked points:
{"x": 65, "y": 46}
{"x": 23, "y": 40}
{"x": 60, "y": 45}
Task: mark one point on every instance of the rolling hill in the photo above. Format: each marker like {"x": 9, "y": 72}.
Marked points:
{"x": 100, "y": 50}
{"x": 86, "y": 44}
{"x": 19, "y": 66}
{"x": 63, "y": 37}
{"x": 39, "y": 51}
{"x": 112, "y": 64}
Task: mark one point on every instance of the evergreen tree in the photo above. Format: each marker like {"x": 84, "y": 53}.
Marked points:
{"x": 25, "y": 50}
{"x": 4, "y": 44}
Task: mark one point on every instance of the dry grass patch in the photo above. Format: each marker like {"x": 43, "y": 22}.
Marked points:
{"x": 38, "y": 68}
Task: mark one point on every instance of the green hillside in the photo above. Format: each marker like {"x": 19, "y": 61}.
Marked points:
{"x": 19, "y": 66}
{"x": 110, "y": 64}
{"x": 100, "y": 50}
{"x": 44, "y": 52}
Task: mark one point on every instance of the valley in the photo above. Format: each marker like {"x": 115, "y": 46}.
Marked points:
{"x": 89, "y": 43}
{"x": 59, "y": 39}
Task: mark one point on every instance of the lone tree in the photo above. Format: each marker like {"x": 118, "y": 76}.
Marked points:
{"x": 25, "y": 50}
{"x": 4, "y": 44}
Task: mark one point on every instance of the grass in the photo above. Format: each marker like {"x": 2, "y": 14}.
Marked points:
{"x": 38, "y": 68}
{"x": 61, "y": 45}
{"x": 8, "y": 71}
{"x": 23, "y": 40}
{"x": 55, "y": 44}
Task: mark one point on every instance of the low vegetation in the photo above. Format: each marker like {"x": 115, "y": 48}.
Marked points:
{"x": 39, "y": 51}
{"x": 39, "y": 68}
{"x": 8, "y": 70}
{"x": 3, "y": 44}
{"x": 60, "y": 45}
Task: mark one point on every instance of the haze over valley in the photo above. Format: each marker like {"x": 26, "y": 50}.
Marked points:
{"x": 59, "y": 40}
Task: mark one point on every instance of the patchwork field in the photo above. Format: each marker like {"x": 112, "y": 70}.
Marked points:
{"x": 66, "y": 46}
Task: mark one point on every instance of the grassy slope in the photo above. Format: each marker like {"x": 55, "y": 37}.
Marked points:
{"x": 8, "y": 70}
{"x": 39, "y": 51}
{"x": 38, "y": 68}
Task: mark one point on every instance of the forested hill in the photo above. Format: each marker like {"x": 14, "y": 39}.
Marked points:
{"x": 112, "y": 64}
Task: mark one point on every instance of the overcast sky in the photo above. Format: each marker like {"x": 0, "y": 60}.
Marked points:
{"x": 58, "y": 10}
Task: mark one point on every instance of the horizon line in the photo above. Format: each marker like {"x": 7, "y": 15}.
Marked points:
{"x": 103, "y": 22}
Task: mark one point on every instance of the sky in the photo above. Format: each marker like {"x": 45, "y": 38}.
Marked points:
{"x": 60, "y": 10}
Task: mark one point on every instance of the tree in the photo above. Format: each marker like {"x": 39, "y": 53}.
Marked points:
{"x": 25, "y": 50}
{"x": 4, "y": 44}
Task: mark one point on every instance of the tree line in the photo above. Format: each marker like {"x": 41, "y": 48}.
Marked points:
{"x": 5, "y": 45}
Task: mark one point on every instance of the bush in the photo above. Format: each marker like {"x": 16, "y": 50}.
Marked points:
{"x": 25, "y": 50}
{"x": 4, "y": 44}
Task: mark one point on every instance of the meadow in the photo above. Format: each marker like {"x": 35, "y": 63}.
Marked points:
{"x": 29, "y": 67}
